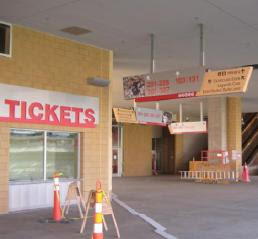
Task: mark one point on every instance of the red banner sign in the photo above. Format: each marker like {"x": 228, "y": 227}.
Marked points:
{"x": 163, "y": 85}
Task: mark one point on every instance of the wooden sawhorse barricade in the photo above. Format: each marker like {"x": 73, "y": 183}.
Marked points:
{"x": 107, "y": 210}
{"x": 74, "y": 193}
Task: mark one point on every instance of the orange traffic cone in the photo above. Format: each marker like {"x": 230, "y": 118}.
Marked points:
{"x": 245, "y": 174}
{"x": 98, "y": 218}
{"x": 57, "y": 215}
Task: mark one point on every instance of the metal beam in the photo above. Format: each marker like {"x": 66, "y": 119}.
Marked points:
{"x": 202, "y": 47}
{"x": 152, "y": 57}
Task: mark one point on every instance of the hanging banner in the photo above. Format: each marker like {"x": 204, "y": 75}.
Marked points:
{"x": 225, "y": 81}
{"x": 28, "y": 105}
{"x": 142, "y": 116}
{"x": 163, "y": 85}
{"x": 153, "y": 116}
{"x": 188, "y": 127}
{"x": 123, "y": 115}
{"x": 186, "y": 83}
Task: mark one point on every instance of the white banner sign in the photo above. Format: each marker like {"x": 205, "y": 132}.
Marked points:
{"x": 188, "y": 127}
{"x": 29, "y": 105}
{"x": 153, "y": 116}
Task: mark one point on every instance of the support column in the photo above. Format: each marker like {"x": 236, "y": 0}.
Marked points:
{"x": 217, "y": 123}
{"x": 234, "y": 126}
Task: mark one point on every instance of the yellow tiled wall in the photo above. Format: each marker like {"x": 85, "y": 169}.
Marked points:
{"x": 43, "y": 61}
{"x": 137, "y": 155}
{"x": 179, "y": 152}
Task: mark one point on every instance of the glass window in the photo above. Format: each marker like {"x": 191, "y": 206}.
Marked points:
{"x": 62, "y": 154}
{"x": 26, "y": 155}
{"x": 5, "y": 38}
{"x": 27, "y": 162}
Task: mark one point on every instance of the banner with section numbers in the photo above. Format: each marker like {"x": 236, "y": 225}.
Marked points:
{"x": 163, "y": 85}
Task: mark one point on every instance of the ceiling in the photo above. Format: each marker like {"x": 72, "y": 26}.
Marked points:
{"x": 230, "y": 31}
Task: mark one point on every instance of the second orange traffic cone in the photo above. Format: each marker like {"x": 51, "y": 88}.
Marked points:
{"x": 245, "y": 174}
{"x": 98, "y": 218}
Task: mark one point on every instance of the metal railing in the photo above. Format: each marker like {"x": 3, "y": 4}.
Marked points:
{"x": 210, "y": 175}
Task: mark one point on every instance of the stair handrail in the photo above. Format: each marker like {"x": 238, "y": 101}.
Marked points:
{"x": 250, "y": 141}
{"x": 250, "y": 124}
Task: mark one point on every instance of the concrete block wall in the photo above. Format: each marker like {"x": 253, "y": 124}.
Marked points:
{"x": 234, "y": 123}
{"x": 43, "y": 61}
{"x": 217, "y": 123}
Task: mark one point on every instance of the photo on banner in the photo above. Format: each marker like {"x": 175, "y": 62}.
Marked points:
{"x": 134, "y": 87}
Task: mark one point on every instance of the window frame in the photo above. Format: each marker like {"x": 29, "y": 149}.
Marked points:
{"x": 11, "y": 40}
{"x": 45, "y": 179}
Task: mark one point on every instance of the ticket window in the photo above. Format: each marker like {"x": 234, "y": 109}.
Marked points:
{"x": 117, "y": 150}
{"x": 37, "y": 155}
{"x": 26, "y": 162}
{"x": 33, "y": 158}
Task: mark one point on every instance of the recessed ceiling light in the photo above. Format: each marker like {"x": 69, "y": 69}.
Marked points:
{"x": 75, "y": 30}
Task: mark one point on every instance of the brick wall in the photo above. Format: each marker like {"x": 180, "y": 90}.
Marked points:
{"x": 51, "y": 63}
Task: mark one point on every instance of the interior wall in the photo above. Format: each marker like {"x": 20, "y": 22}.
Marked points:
{"x": 193, "y": 145}
{"x": 188, "y": 146}
{"x": 157, "y": 132}
{"x": 137, "y": 157}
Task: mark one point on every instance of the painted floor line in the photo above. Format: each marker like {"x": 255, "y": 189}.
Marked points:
{"x": 159, "y": 229}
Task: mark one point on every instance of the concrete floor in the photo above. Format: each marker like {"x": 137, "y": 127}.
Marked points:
{"x": 26, "y": 225}
{"x": 188, "y": 210}
{"x": 192, "y": 210}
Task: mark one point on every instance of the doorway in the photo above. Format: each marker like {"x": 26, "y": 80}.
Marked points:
{"x": 117, "y": 154}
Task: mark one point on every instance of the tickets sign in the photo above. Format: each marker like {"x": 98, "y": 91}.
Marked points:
{"x": 28, "y": 105}
{"x": 163, "y": 85}
{"x": 225, "y": 81}
{"x": 188, "y": 127}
